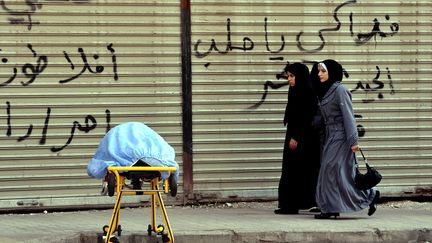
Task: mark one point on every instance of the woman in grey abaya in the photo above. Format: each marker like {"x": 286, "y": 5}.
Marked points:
{"x": 336, "y": 192}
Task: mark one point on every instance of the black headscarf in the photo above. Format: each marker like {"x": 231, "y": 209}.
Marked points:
{"x": 298, "y": 94}
{"x": 335, "y": 73}
{"x": 301, "y": 73}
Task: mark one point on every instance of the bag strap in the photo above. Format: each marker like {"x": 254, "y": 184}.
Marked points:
{"x": 361, "y": 151}
{"x": 365, "y": 160}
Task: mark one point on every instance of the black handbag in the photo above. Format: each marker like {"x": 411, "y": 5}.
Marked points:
{"x": 368, "y": 180}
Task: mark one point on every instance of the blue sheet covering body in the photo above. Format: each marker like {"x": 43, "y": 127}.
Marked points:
{"x": 127, "y": 143}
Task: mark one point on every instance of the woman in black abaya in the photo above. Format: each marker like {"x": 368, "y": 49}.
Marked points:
{"x": 301, "y": 155}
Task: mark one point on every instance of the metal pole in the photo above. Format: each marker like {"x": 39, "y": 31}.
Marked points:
{"x": 187, "y": 99}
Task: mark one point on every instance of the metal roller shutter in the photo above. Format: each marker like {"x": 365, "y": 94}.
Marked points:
{"x": 239, "y": 45}
{"x": 71, "y": 70}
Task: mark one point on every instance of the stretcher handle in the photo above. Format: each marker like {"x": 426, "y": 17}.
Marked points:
{"x": 141, "y": 168}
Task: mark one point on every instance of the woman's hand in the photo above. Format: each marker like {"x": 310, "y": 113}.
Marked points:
{"x": 293, "y": 144}
{"x": 355, "y": 148}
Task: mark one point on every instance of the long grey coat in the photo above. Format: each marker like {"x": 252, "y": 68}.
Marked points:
{"x": 336, "y": 192}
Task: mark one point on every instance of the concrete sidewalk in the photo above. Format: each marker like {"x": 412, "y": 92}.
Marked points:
{"x": 251, "y": 222}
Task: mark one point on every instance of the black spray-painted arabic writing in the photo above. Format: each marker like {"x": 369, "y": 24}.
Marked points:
{"x": 14, "y": 73}
{"x": 267, "y": 42}
{"x": 90, "y": 123}
{"x": 363, "y": 38}
{"x": 320, "y": 32}
{"x": 24, "y": 17}
{"x": 29, "y": 70}
{"x": 379, "y": 85}
{"x": 32, "y": 71}
{"x": 360, "y": 38}
{"x": 282, "y": 75}
{"x": 272, "y": 85}
{"x": 86, "y": 66}
{"x": 19, "y": 16}
{"x": 248, "y": 44}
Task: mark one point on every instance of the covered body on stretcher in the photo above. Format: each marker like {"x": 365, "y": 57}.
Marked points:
{"x": 132, "y": 144}
{"x": 133, "y": 149}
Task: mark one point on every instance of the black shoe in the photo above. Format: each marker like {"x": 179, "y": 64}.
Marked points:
{"x": 286, "y": 211}
{"x": 373, "y": 206}
{"x": 326, "y": 215}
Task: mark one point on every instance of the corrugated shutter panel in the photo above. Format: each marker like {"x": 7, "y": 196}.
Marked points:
{"x": 239, "y": 45}
{"x": 82, "y": 67}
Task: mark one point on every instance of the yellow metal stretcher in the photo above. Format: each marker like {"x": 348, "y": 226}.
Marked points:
{"x": 116, "y": 185}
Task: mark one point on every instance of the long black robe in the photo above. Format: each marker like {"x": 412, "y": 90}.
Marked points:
{"x": 300, "y": 167}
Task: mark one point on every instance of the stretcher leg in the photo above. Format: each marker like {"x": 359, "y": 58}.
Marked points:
{"x": 156, "y": 200}
{"x": 165, "y": 217}
{"x": 115, "y": 219}
{"x": 153, "y": 210}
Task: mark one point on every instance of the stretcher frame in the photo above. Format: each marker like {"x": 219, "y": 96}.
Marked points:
{"x": 156, "y": 199}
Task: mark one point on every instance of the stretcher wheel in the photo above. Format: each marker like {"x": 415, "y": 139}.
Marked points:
{"x": 119, "y": 230}
{"x": 114, "y": 240}
{"x": 111, "y": 184}
{"x": 160, "y": 229}
{"x": 172, "y": 182}
{"x": 165, "y": 238}
{"x": 105, "y": 229}
{"x": 149, "y": 230}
